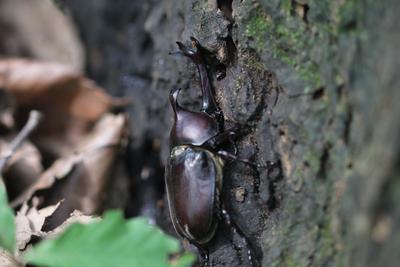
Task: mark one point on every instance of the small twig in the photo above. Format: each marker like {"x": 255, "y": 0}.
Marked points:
{"x": 31, "y": 124}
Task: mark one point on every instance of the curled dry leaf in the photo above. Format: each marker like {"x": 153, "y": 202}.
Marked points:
{"x": 22, "y": 169}
{"x": 29, "y": 221}
{"x": 86, "y": 187}
{"x": 59, "y": 170}
{"x": 69, "y": 102}
{"x": 7, "y": 260}
{"x": 75, "y": 217}
{"x": 36, "y": 83}
{"x": 83, "y": 176}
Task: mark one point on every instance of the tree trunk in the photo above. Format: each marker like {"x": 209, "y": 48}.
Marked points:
{"x": 314, "y": 83}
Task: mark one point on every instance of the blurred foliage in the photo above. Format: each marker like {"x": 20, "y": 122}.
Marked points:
{"x": 109, "y": 242}
{"x": 7, "y": 226}
{"x": 112, "y": 241}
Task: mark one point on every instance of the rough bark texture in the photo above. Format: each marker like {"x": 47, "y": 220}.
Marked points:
{"x": 333, "y": 133}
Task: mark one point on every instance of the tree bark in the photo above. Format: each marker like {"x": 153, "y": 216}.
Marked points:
{"x": 315, "y": 85}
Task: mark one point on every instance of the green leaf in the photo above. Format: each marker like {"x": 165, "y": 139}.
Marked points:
{"x": 109, "y": 242}
{"x": 7, "y": 226}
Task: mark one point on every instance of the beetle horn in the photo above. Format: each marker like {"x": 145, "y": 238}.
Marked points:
{"x": 209, "y": 105}
{"x": 173, "y": 99}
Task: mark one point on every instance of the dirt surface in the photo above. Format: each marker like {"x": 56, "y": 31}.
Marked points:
{"x": 314, "y": 85}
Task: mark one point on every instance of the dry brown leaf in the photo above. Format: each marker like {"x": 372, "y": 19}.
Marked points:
{"x": 70, "y": 103}
{"x": 23, "y": 168}
{"x": 86, "y": 187}
{"x": 75, "y": 217}
{"x": 35, "y": 83}
{"x": 84, "y": 175}
{"x": 29, "y": 221}
{"x": 60, "y": 168}
{"x": 39, "y": 29}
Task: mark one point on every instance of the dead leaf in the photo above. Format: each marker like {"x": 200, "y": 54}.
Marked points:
{"x": 22, "y": 169}
{"x": 59, "y": 170}
{"x": 75, "y": 217}
{"x": 7, "y": 260}
{"x": 86, "y": 187}
{"x": 39, "y": 29}
{"x": 70, "y": 103}
{"x": 36, "y": 83}
{"x": 84, "y": 176}
{"x": 29, "y": 221}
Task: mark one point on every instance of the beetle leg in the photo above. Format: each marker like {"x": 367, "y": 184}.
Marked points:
{"x": 204, "y": 257}
{"x": 226, "y": 136}
{"x": 215, "y": 141}
{"x": 225, "y": 154}
{"x": 236, "y": 230}
{"x": 209, "y": 105}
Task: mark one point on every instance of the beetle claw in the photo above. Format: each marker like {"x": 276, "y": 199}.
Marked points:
{"x": 186, "y": 50}
{"x": 195, "y": 42}
{"x": 183, "y": 50}
{"x": 192, "y": 53}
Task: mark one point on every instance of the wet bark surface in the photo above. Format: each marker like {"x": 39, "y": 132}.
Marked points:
{"x": 314, "y": 85}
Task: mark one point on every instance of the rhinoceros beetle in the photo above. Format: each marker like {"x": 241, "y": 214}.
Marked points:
{"x": 194, "y": 171}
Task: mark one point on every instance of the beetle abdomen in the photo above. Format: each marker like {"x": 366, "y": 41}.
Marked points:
{"x": 193, "y": 176}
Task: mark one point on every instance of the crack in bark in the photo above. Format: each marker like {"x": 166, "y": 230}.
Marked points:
{"x": 324, "y": 159}
{"x": 274, "y": 176}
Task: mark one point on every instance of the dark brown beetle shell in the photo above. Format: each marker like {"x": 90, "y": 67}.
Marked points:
{"x": 190, "y": 128}
{"x": 193, "y": 181}
{"x": 194, "y": 171}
